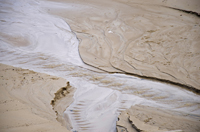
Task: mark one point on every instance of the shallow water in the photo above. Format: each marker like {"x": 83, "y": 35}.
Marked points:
{"x": 33, "y": 39}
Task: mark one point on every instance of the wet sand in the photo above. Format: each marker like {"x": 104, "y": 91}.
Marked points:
{"x": 155, "y": 40}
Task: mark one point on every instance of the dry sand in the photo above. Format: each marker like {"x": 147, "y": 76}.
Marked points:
{"x": 25, "y": 101}
{"x": 150, "y": 39}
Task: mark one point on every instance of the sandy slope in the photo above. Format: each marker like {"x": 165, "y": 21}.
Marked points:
{"x": 140, "y": 37}
{"x": 25, "y": 101}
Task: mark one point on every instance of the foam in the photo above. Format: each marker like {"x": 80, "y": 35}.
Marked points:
{"x": 44, "y": 33}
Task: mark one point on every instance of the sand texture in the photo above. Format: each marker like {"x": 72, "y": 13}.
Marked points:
{"x": 83, "y": 41}
{"x": 149, "y": 119}
{"x": 26, "y": 99}
{"x": 149, "y": 39}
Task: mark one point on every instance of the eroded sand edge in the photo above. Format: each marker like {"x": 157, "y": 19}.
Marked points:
{"x": 148, "y": 119}
{"x": 25, "y": 101}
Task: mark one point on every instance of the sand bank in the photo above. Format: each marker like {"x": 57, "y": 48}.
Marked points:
{"x": 138, "y": 37}
{"x": 149, "y": 119}
{"x": 26, "y": 99}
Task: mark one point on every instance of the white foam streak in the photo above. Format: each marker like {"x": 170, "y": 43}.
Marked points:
{"x": 96, "y": 108}
{"x": 44, "y": 33}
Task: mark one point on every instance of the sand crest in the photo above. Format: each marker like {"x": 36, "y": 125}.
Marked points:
{"x": 25, "y": 100}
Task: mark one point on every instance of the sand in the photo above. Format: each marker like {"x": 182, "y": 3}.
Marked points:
{"x": 158, "y": 39}
{"x": 32, "y": 101}
{"x": 150, "y": 119}
{"x": 150, "y": 39}
{"x": 25, "y": 100}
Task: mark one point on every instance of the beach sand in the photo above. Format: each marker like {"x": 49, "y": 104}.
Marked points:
{"x": 25, "y": 101}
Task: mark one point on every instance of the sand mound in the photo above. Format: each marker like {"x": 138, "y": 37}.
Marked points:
{"x": 25, "y": 100}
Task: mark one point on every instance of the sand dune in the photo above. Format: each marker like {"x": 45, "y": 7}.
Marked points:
{"x": 25, "y": 100}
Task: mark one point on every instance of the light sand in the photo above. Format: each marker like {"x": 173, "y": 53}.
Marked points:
{"x": 25, "y": 101}
{"x": 149, "y": 119}
{"x": 139, "y": 37}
